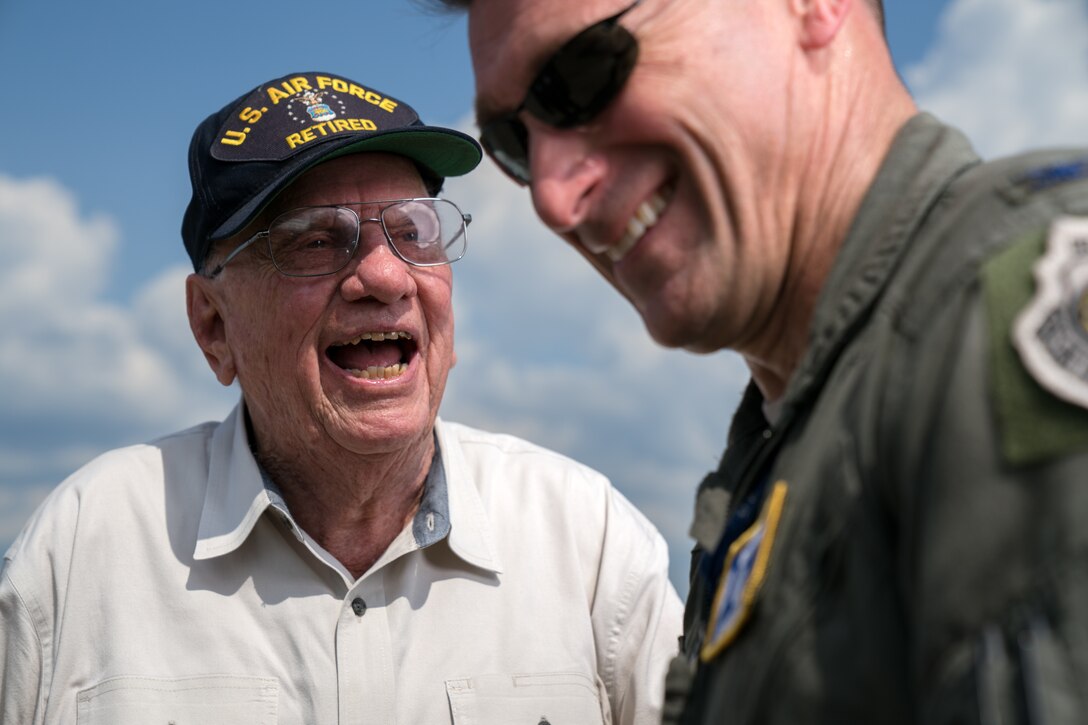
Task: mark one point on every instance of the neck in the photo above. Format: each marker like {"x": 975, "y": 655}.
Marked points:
{"x": 859, "y": 118}
{"x": 353, "y": 505}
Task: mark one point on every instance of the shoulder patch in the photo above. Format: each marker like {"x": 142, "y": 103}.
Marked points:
{"x": 1021, "y": 187}
{"x": 1053, "y": 175}
{"x": 1051, "y": 334}
{"x": 1034, "y": 423}
{"x": 742, "y": 576}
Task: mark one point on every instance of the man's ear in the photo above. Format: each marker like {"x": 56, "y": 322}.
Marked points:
{"x": 821, "y": 20}
{"x": 204, "y": 306}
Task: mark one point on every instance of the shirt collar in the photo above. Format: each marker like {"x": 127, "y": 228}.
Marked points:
{"x": 471, "y": 533}
{"x": 237, "y": 496}
{"x": 431, "y": 523}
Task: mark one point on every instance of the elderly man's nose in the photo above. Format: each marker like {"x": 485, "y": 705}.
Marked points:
{"x": 376, "y": 271}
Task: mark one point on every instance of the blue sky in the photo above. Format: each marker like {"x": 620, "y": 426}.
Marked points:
{"x": 101, "y": 99}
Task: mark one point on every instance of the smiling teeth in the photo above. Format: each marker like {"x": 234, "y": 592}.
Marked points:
{"x": 377, "y": 373}
{"x": 645, "y": 217}
{"x": 379, "y": 337}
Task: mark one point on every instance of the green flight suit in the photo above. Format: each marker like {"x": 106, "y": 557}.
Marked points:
{"x": 910, "y": 536}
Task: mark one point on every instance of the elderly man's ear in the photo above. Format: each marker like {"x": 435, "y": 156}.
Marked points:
{"x": 206, "y": 321}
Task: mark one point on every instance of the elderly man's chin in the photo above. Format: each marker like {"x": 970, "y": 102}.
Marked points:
{"x": 369, "y": 417}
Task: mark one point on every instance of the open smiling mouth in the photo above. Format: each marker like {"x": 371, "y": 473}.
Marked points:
{"x": 374, "y": 355}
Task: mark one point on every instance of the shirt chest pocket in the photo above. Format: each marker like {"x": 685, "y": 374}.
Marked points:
{"x": 209, "y": 700}
{"x": 558, "y": 698}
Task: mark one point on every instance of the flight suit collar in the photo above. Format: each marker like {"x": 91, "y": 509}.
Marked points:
{"x": 924, "y": 159}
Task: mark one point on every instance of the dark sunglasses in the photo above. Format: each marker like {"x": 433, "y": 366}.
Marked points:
{"x": 576, "y": 83}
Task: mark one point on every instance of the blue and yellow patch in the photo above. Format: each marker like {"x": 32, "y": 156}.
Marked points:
{"x": 743, "y": 575}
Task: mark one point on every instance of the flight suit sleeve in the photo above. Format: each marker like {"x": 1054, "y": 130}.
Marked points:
{"x": 992, "y": 505}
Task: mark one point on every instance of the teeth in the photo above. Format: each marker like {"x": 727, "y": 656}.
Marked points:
{"x": 645, "y": 214}
{"x": 378, "y": 373}
{"x": 658, "y": 202}
{"x": 379, "y": 337}
{"x": 645, "y": 217}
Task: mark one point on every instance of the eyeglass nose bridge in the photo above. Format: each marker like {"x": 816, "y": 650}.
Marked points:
{"x": 377, "y": 238}
{"x": 381, "y": 228}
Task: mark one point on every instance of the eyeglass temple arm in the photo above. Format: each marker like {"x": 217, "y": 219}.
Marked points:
{"x": 466, "y": 219}
{"x": 237, "y": 250}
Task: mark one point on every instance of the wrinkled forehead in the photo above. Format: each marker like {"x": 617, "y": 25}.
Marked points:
{"x": 511, "y": 39}
{"x": 354, "y": 177}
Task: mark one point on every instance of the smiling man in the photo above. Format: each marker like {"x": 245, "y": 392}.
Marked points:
{"x": 896, "y": 531}
{"x": 332, "y": 551}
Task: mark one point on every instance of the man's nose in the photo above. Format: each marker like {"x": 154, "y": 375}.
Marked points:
{"x": 376, "y": 271}
{"x": 566, "y": 169}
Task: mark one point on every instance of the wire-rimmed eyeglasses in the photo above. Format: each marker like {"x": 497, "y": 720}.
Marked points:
{"x": 312, "y": 241}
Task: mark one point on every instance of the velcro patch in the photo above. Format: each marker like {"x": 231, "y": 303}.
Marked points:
{"x": 1051, "y": 334}
{"x": 743, "y": 575}
{"x": 1034, "y": 422}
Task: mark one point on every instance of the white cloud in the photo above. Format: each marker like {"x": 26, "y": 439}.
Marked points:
{"x": 69, "y": 352}
{"x": 1013, "y": 74}
{"x": 81, "y": 373}
{"x": 47, "y": 249}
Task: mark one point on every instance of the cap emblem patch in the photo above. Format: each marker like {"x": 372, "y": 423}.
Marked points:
{"x": 291, "y": 114}
{"x": 315, "y": 108}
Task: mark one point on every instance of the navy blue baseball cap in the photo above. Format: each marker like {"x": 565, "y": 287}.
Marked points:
{"x": 244, "y": 154}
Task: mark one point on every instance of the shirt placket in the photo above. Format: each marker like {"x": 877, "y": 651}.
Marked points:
{"x": 364, "y": 655}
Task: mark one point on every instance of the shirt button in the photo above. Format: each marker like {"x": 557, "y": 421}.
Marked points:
{"x": 358, "y": 606}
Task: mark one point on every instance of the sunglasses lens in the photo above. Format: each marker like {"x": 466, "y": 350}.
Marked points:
{"x": 576, "y": 84}
{"x": 584, "y": 76}
{"x": 507, "y": 141}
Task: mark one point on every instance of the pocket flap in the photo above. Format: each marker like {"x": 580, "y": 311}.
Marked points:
{"x": 211, "y": 699}
{"x": 553, "y": 698}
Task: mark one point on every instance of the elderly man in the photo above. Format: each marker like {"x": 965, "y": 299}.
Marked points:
{"x": 332, "y": 551}
{"x": 898, "y": 531}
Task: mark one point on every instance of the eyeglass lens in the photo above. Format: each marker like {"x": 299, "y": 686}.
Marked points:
{"x": 314, "y": 240}
{"x": 576, "y": 84}
{"x": 319, "y": 240}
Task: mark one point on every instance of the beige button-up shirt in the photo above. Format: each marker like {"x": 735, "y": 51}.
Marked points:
{"x": 166, "y": 583}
